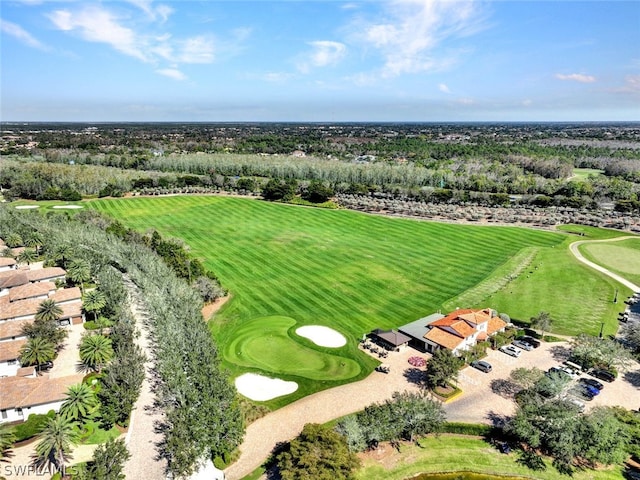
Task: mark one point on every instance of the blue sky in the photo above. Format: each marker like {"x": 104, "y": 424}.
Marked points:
{"x": 395, "y": 60}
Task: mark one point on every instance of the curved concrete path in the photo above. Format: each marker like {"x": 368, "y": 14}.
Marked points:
{"x": 576, "y": 253}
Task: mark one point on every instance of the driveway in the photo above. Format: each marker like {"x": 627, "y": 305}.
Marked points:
{"x": 68, "y": 360}
{"x": 479, "y": 402}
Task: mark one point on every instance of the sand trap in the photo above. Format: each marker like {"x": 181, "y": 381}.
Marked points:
{"x": 322, "y": 336}
{"x": 261, "y": 388}
{"x": 26, "y": 207}
{"x": 68, "y": 206}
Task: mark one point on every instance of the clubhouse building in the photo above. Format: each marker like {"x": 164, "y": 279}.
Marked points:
{"x": 459, "y": 330}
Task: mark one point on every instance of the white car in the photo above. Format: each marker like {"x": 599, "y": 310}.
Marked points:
{"x": 511, "y": 350}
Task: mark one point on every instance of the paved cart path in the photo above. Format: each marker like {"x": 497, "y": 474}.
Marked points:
{"x": 576, "y": 252}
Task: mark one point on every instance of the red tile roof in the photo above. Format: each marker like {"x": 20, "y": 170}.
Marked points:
{"x": 66, "y": 294}
{"x": 71, "y": 310}
{"x": 44, "y": 273}
{"x": 495, "y": 325}
{"x": 11, "y": 350}
{"x": 19, "y": 308}
{"x": 30, "y": 290}
{"x": 20, "y": 392}
{"x": 443, "y": 338}
{"x": 7, "y": 261}
{"x": 12, "y": 328}
{"x": 13, "y": 278}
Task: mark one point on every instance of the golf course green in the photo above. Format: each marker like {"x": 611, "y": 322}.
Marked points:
{"x": 290, "y": 266}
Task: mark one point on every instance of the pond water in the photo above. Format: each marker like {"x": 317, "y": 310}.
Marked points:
{"x": 462, "y": 476}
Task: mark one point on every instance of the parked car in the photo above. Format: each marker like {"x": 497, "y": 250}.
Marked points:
{"x": 603, "y": 375}
{"x": 504, "y": 448}
{"x": 46, "y": 366}
{"x": 560, "y": 371}
{"x": 593, "y": 391}
{"x": 523, "y": 345}
{"x": 577, "y": 403}
{"x": 534, "y": 342}
{"x": 593, "y": 382}
{"x": 511, "y": 350}
{"x": 481, "y": 365}
{"x": 582, "y": 393}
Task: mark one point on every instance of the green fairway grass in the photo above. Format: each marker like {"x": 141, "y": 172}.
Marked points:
{"x": 453, "y": 453}
{"x": 275, "y": 351}
{"x": 578, "y": 298}
{"x": 355, "y": 272}
{"x": 622, "y": 257}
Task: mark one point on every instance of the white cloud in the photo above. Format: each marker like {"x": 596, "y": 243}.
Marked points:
{"x": 153, "y": 12}
{"x": 444, "y": 88}
{"x": 527, "y": 102}
{"x": 576, "y": 77}
{"x": 195, "y": 50}
{"x": 96, "y": 24}
{"x": 631, "y": 85}
{"x": 277, "y": 76}
{"x": 466, "y": 101}
{"x": 172, "y": 73}
{"x": 21, "y": 34}
{"x": 410, "y": 30}
{"x": 323, "y": 54}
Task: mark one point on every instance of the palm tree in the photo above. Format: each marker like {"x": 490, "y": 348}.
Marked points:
{"x": 61, "y": 254}
{"x": 7, "y": 439}
{"x": 95, "y": 351}
{"x": 79, "y": 271}
{"x": 56, "y": 440}
{"x": 34, "y": 240}
{"x": 81, "y": 402}
{"x": 48, "y": 311}
{"x": 94, "y": 301}
{"x": 13, "y": 240}
{"x": 27, "y": 256}
{"x": 36, "y": 352}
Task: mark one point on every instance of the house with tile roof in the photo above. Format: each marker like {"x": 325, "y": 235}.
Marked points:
{"x": 22, "y": 396}
{"x": 459, "y": 330}
{"x": 7, "y": 264}
{"x": 9, "y": 358}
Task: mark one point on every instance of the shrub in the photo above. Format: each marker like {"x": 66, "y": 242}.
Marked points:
{"x": 466, "y": 428}
{"x": 34, "y": 424}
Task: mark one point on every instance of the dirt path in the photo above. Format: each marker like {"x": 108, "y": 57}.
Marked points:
{"x": 142, "y": 437}
{"x": 576, "y": 252}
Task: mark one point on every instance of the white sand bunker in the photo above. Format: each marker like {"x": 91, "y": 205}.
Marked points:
{"x": 322, "y": 336}
{"x": 26, "y": 207}
{"x": 68, "y": 206}
{"x": 261, "y": 388}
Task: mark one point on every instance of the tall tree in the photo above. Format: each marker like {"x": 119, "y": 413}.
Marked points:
{"x": 108, "y": 461}
{"x": 46, "y": 329}
{"x": 542, "y": 322}
{"x": 81, "y": 402}
{"x": 56, "y": 440}
{"x": 28, "y": 255}
{"x": 36, "y": 352}
{"x": 442, "y": 368}
{"x": 48, "y": 310}
{"x": 79, "y": 272}
{"x": 96, "y": 351}
{"x": 592, "y": 351}
{"x": 320, "y": 453}
{"x": 93, "y": 301}
{"x": 34, "y": 240}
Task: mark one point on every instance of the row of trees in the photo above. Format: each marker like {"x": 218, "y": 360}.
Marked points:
{"x": 327, "y": 453}
{"x": 202, "y": 414}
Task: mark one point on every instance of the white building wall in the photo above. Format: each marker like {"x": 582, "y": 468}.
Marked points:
{"x": 13, "y": 414}
{"x": 9, "y": 370}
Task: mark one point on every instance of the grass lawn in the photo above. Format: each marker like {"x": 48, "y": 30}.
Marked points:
{"x": 354, "y": 272}
{"x": 451, "y": 453}
{"x": 577, "y": 298}
{"x": 621, "y": 257}
{"x": 584, "y": 173}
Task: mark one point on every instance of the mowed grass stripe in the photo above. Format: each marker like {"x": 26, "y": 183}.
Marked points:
{"x": 342, "y": 269}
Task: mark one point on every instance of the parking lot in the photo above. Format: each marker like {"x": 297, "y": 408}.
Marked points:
{"x": 486, "y": 396}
